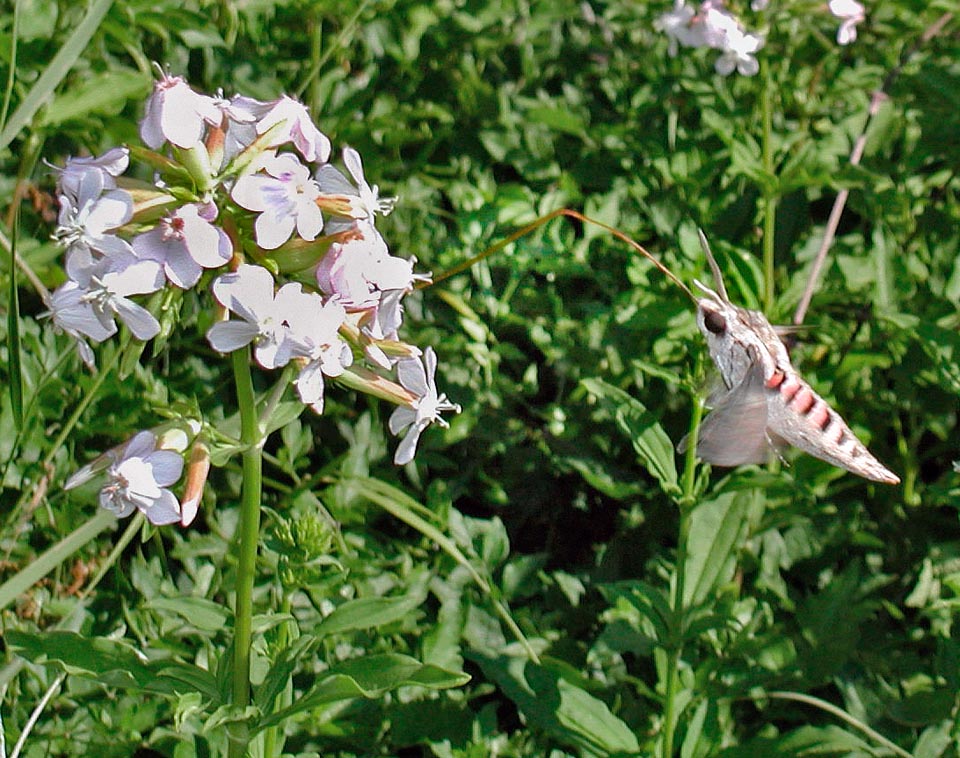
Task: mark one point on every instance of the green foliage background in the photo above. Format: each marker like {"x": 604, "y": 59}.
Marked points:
{"x": 577, "y": 365}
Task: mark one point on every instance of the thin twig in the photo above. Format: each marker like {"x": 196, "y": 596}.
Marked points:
{"x": 840, "y": 202}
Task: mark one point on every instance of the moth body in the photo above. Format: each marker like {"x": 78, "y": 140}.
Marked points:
{"x": 765, "y": 402}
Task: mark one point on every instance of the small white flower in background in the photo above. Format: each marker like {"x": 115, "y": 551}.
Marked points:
{"x": 363, "y": 200}
{"x": 738, "y": 51}
{"x": 91, "y": 310}
{"x": 850, "y": 14}
{"x": 185, "y": 243}
{"x": 759, "y": 5}
{"x": 285, "y": 198}
{"x": 417, "y": 376}
{"x": 248, "y": 292}
{"x": 138, "y": 478}
{"x": 676, "y": 24}
{"x": 176, "y": 114}
{"x": 298, "y": 128}
{"x": 712, "y": 25}
{"x": 314, "y": 335}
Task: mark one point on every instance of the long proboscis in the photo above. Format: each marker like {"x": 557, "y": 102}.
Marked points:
{"x": 460, "y": 267}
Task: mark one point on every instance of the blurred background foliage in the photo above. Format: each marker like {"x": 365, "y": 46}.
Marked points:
{"x": 571, "y": 356}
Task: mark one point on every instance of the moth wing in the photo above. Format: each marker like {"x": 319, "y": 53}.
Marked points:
{"x": 735, "y": 431}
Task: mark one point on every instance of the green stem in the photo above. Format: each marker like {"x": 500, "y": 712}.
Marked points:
{"x": 249, "y": 528}
{"x": 675, "y": 643}
{"x": 769, "y": 193}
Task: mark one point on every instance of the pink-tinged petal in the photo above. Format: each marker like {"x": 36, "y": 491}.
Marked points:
{"x": 208, "y": 245}
{"x": 309, "y": 221}
{"x": 248, "y": 291}
{"x": 401, "y": 418}
{"x": 113, "y": 209}
{"x": 150, "y": 246}
{"x": 227, "y": 336}
{"x": 271, "y": 231}
{"x": 140, "y": 278}
{"x": 150, "y": 131}
{"x": 250, "y": 191}
{"x": 138, "y": 320}
{"x": 430, "y": 364}
{"x": 184, "y": 114}
{"x": 412, "y": 376}
{"x": 408, "y": 446}
{"x": 181, "y": 269}
{"x": 139, "y": 446}
{"x": 332, "y": 182}
{"x": 391, "y": 273}
{"x": 163, "y": 510}
{"x": 167, "y": 466}
{"x": 112, "y": 246}
{"x": 120, "y": 509}
{"x": 351, "y": 159}
{"x": 273, "y": 354}
{"x": 309, "y": 385}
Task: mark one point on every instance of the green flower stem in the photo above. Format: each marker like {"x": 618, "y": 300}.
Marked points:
{"x": 251, "y": 438}
{"x": 769, "y": 192}
{"x": 675, "y": 643}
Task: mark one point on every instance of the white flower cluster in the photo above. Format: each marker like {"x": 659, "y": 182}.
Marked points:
{"x": 264, "y": 167}
{"x": 711, "y": 24}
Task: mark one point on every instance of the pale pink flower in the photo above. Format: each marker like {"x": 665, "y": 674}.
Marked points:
{"x": 418, "y": 376}
{"x": 176, "y": 114}
{"x": 248, "y": 292}
{"x": 298, "y": 128}
{"x": 285, "y": 197}
{"x": 138, "y": 475}
{"x": 850, "y": 14}
{"x": 185, "y": 243}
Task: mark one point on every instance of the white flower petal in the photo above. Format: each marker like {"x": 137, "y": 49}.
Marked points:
{"x": 227, "y": 336}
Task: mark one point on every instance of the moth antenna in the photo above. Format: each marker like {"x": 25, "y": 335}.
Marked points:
{"x": 714, "y": 268}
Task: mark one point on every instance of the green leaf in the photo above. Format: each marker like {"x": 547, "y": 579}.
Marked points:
{"x": 803, "y": 742}
{"x": 368, "y": 612}
{"x": 104, "y": 92}
{"x": 716, "y": 528}
{"x": 201, "y": 613}
{"x": 111, "y": 662}
{"x": 650, "y": 441}
{"x": 370, "y": 677}
{"x": 551, "y": 702}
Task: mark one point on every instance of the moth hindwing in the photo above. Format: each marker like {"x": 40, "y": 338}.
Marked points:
{"x": 765, "y": 402}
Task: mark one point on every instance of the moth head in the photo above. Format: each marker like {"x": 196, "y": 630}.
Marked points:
{"x": 716, "y": 317}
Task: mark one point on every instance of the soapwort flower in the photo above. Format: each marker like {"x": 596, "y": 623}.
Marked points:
{"x": 285, "y": 198}
{"x": 298, "y": 128}
{"x": 138, "y": 474}
{"x": 315, "y": 338}
{"x": 248, "y": 293}
{"x": 177, "y": 114}
{"x": 417, "y": 376}
{"x": 185, "y": 242}
{"x": 850, "y": 14}
{"x": 712, "y": 25}
{"x": 91, "y": 210}
{"x": 91, "y": 310}
{"x": 362, "y": 201}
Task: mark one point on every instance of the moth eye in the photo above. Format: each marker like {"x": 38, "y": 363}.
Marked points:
{"x": 715, "y": 322}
